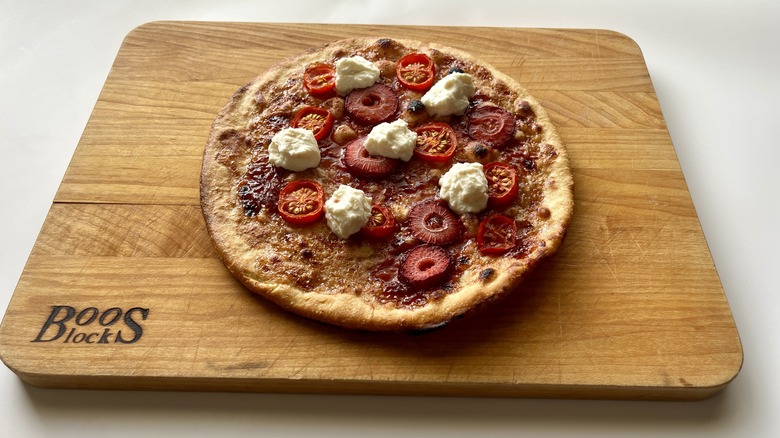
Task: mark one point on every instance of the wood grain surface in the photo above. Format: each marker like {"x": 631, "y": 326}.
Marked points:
{"x": 124, "y": 272}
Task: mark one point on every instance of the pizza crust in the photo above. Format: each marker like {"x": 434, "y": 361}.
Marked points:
{"x": 228, "y": 153}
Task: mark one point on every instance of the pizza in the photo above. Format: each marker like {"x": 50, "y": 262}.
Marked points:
{"x": 384, "y": 184}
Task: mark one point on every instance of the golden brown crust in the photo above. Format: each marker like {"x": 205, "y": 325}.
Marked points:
{"x": 309, "y": 270}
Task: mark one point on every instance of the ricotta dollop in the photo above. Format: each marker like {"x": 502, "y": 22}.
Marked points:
{"x": 450, "y": 95}
{"x": 465, "y": 188}
{"x": 353, "y": 73}
{"x": 392, "y": 140}
{"x": 347, "y": 211}
{"x": 294, "y": 149}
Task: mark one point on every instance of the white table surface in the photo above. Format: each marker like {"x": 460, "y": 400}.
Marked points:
{"x": 716, "y": 69}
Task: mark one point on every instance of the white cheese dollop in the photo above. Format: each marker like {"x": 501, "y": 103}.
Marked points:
{"x": 465, "y": 188}
{"x": 347, "y": 211}
{"x": 353, "y": 73}
{"x": 392, "y": 140}
{"x": 450, "y": 95}
{"x": 294, "y": 149}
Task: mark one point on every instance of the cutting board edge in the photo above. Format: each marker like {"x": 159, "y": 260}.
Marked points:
{"x": 388, "y": 388}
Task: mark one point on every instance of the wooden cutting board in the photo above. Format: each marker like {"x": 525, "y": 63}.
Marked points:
{"x": 123, "y": 290}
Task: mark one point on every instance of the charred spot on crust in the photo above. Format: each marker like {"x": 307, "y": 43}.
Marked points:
{"x": 416, "y": 106}
{"x": 240, "y": 92}
{"x": 454, "y": 65}
{"x": 426, "y": 330}
{"x": 250, "y": 210}
{"x": 486, "y": 274}
{"x": 385, "y": 43}
{"x": 307, "y": 253}
{"x": 480, "y": 150}
{"x": 524, "y": 107}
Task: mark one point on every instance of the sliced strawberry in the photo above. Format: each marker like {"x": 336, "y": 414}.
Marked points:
{"x": 372, "y": 105}
{"x": 360, "y": 163}
{"x": 433, "y": 222}
{"x": 425, "y": 266}
{"x": 491, "y": 124}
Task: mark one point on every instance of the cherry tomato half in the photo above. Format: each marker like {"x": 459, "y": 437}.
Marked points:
{"x": 319, "y": 79}
{"x": 415, "y": 71}
{"x": 317, "y": 120}
{"x": 502, "y": 184}
{"x": 496, "y": 234}
{"x": 301, "y": 202}
{"x": 436, "y": 142}
{"x": 381, "y": 223}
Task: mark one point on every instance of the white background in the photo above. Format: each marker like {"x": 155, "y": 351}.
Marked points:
{"x": 716, "y": 69}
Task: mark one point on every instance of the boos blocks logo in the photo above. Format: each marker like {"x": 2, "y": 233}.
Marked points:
{"x": 90, "y": 325}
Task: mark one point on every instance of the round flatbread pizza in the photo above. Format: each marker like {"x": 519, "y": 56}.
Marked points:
{"x": 384, "y": 184}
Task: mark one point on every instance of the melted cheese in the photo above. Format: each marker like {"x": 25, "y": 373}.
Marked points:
{"x": 450, "y": 95}
{"x": 354, "y": 73}
{"x": 392, "y": 140}
{"x": 347, "y": 211}
{"x": 294, "y": 149}
{"x": 465, "y": 188}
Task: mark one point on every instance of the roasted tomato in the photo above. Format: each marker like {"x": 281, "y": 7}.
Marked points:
{"x": 372, "y": 105}
{"x": 425, "y": 266}
{"x": 319, "y": 79}
{"x": 502, "y": 184}
{"x": 360, "y": 163}
{"x": 415, "y": 71}
{"x": 381, "y": 223}
{"x": 491, "y": 124}
{"x": 301, "y": 202}
{"x": 436, "y": 142}
{"x": 433, "y": 222}
{"x": 496, "y": 234}
{"x": 317, "y": 120}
